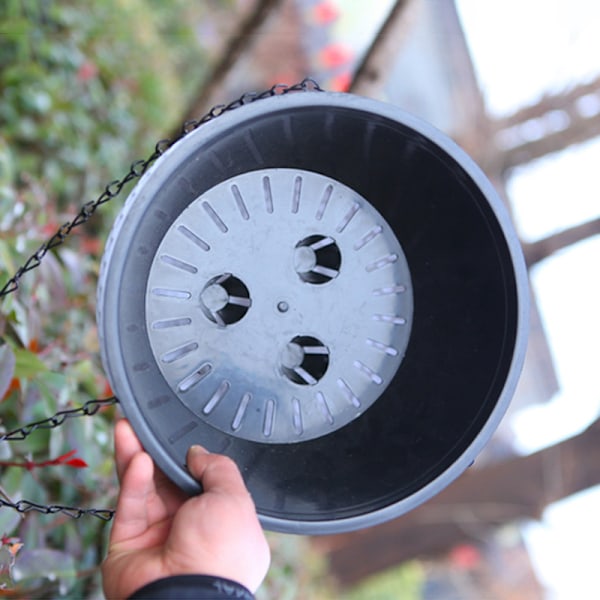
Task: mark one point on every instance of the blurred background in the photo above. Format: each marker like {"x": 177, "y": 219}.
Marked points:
{"x": 85, "y": 90}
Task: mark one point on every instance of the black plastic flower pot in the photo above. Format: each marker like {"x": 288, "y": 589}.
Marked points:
{"x": 325, "y": 289}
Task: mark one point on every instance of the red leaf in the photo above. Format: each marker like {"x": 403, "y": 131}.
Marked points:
{"x": 88, "y": 70}
{"x": 14, "y": 384}
{"x": 63, "y": 457}
{"x": 66, "y": 459}
{"x": 34, "y": 345}
{"x": 78, "y": 463}
{"x": 7, "y": 370}
{"x": 107, "y": 390}
{"x": 90, "y": 245}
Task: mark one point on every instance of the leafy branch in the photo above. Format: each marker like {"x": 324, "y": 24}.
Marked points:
{"x": 68, "y": 459}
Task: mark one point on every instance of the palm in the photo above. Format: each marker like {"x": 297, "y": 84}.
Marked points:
{"x": 158, "y": 531}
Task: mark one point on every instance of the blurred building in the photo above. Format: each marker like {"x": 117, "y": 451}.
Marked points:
{"x": 432, "y": 76}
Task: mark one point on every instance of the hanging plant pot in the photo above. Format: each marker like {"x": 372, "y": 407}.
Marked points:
{"x": 328, "y": 291}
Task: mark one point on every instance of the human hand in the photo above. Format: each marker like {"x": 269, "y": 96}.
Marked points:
{"x": 158, "y": 531}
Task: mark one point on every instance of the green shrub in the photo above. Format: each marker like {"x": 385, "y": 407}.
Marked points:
{"x": 84, "y": 90}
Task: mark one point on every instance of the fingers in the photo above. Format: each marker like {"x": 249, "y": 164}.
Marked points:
{"x": 131, "y": 517}
{"x": 215, "y": 472}
{"x": 126, "y": 446}
{"x": 218, "y": 531}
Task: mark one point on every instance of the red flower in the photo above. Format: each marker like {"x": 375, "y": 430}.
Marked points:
{"x": 325, "y": 12}
{"x": 465, "y": 557}
{"x": 341, "y": 82}
{"x": 335, "y": 55}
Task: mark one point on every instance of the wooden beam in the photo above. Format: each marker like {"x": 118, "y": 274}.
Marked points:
{"x": 239, "y": 44}
{"x": 549, "y": 102}
{"x": 372, "y": 73}
{"x": 581, "y": 130}
{"x": 554, "y": 123}
{"x": 538, "y": 251}
{"x": 479, "y": 501}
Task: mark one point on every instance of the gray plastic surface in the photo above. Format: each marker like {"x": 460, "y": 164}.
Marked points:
{"x": 467, "y": 342}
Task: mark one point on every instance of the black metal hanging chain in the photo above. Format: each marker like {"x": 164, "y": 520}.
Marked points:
{"x": 112, "y": 190}
{"x": 90, "y": 408}
{"x": 25, "y": 506}
{"x": 138, "y": 168}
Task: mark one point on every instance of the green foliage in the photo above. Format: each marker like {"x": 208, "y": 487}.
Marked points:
{"x": 297, "y": 571}
{"x": 84, "y": 91}
{"x": 400, "y": 583}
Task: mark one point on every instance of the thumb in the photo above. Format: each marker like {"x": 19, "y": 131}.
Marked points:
{"x": 216, "y": 473}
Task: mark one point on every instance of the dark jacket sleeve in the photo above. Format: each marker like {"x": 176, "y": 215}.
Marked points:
{"x": 193, "y": 587}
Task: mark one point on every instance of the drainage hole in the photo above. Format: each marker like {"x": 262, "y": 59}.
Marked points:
{"x": 317, "y": 259}
{"x": 304, "y": 360}
{"x": 225, "y": 299}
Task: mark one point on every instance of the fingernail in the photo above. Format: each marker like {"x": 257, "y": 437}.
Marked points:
{"x": 197, "y": 449}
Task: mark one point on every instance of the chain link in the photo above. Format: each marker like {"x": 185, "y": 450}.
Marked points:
{"x": 138, "y": 168}
{"x": 112, "y": 190}
{"x": 25, "y": 506}
{"x": 90, "y": 408}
